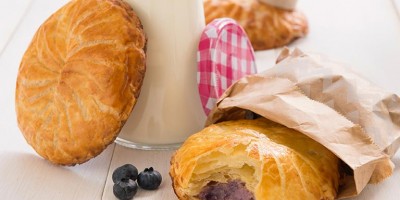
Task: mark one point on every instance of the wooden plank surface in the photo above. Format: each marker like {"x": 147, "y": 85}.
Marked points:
{"x": 10, "y": 18}
{"x": 27, "y": 176}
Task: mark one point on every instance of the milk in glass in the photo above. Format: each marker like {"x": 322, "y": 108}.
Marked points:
{"x": 169, "y": 108}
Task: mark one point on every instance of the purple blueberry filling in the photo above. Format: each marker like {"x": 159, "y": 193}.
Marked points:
{"x": 233, "y": 190}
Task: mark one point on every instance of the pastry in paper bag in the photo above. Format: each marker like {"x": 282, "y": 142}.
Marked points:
{"x": 254, "y": 159}
{"x": 282, "y": 97}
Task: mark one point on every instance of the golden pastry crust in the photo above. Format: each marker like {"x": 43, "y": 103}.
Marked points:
{"x": 267, "y": 26}
{"x": 273, "y": 161}
{"x": 79, "y": 79}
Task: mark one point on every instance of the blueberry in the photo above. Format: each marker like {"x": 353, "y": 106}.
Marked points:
{"x": 149, "y": 179}
{"x": 124, "y": 173}
{"x": 125, "y": 190}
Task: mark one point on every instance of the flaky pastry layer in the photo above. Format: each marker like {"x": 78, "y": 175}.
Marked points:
{"x": 273, "y": 161}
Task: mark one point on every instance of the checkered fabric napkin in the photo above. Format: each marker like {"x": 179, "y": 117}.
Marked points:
{"x": 224, "y": 55}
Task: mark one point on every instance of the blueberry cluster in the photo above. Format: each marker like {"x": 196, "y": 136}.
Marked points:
{"x": 124, "y": 178}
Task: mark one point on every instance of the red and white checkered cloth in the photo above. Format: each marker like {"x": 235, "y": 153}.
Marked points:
{"x": 225, "y": 55}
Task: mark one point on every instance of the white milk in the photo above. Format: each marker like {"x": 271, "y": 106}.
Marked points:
{"x": 169, "y": 108}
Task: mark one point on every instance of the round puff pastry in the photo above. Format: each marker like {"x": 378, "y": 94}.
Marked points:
{"x": 267, "y": 26}
{"x": 256, "y": 157}
{"x": 79, "y": 79}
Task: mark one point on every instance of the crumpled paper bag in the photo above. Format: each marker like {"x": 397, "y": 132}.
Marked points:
{"x": 356, "y": 120}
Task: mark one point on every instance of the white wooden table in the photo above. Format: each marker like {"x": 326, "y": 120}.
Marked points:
{"x": 362, "y": 33}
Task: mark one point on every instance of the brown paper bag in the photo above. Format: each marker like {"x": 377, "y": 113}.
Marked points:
{"x": 360, "y": 101}
{"x": 276, "y": 95}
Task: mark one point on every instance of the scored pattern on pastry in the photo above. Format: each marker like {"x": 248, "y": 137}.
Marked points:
{"x": 267, "y": 26}
{"x": 79, "y": 79}
{"x": 272, "y": 161}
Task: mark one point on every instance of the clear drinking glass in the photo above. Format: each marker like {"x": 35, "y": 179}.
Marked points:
{"x": 169, "y": 108}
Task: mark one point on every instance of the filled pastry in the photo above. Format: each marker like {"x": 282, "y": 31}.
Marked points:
{"x": 266, "y": 25}
{"x": 253, "y": 159}
{"x": 80, "y": 79}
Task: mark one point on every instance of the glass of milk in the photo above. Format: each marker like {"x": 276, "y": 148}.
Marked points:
{"x": 169, "y": 107}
